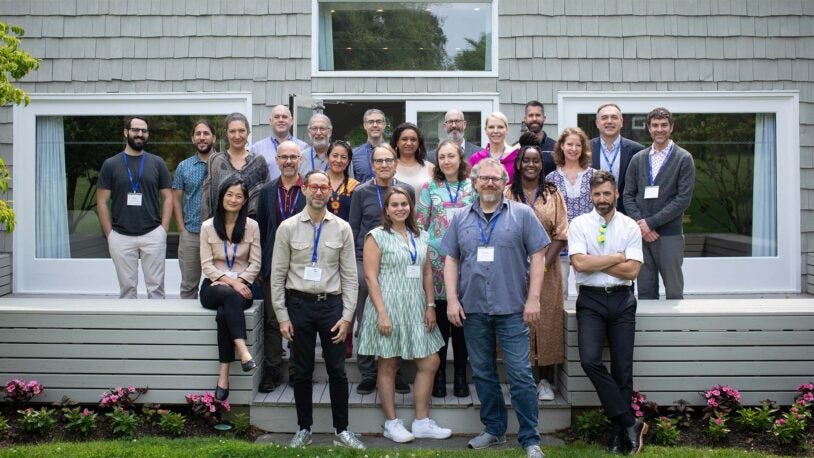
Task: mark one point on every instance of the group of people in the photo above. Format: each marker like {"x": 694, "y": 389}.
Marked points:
{"x": 416, "y": 248}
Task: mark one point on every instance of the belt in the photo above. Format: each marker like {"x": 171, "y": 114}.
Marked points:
{"x": 605, "y": 289}
{"x": 310, "y": 296}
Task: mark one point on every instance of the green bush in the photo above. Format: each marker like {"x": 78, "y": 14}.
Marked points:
{"x": 591, "y": 423}
{"x": 241, "y": 424}
{"x": 665, "y": 432}
{"x": 37, "y": 421}
{"x": 758, "y": 418}
{"x": 171, "y": 423}
{"x": 124, "y": 423}
{"x": 716, "y": 427}
{"x": 80, "y": 421}
{"x": 3, "y": 427}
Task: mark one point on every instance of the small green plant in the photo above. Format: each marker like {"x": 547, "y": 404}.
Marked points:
{"x": 665, "y": 432}
{"x": 716, "y": 427}
{"x": 171, "y": 423}
{"x": 124, "y": 423}
{"x": 37, "y": 421}
{"x": 758, "y": 418}
{"x": 591, "y": 423}
{"x": 681, "y": 412}
{"x": 80, "y": 421}
{"x": 791, "y": 426}
{"x": 3, "y": 427}
{"x": 240, "y": 424}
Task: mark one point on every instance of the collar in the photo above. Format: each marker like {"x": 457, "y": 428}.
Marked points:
{"x": 199, "y": 160}
{"x": 297, "y": 184}
{"x": 276, "y": 142}
{"x": 600, "y": 219}
{"x": 615, "y": 142}
{"x": 504, "y": 203}
{"x": 304, "y": 216}
{"x": 654, "y": 151}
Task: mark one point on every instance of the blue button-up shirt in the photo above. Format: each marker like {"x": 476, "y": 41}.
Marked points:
{"x": 499, "y": 287}
{"x": 362, "y": 167}
{"x": 189, "y": 177}
{"x": 267, "y": 148}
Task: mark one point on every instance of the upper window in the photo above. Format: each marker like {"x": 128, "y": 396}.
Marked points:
{"x": 366, "y": 36}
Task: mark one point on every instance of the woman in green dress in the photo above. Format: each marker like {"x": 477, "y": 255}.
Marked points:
{"x": 399, "y": 317}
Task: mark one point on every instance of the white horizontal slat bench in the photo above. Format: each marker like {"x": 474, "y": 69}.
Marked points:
{"x": 763, "y": 347}
{"x": 80, "y": 347}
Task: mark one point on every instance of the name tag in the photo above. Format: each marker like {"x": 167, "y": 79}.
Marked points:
{"x": 651, "y": 192}
{"x": 413, "y": 271}
{"x": 451, "y": 213}
{"x": 232, "y": 275}
{"x": 134, "y": 199}
{"x": 312, "y": 274}
{"x": 486, "y": 254}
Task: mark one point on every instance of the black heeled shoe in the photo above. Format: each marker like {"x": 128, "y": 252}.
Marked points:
{"x": 248, "y": 365}
{"x": 221, "y": 393}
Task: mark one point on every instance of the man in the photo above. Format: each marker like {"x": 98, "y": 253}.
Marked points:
{"x": 281, "y": 122}
{"x": 658, "y": 189}
{"x": 366, "y": 214}
{"x": 374, "y": 123}
{"x": 186, "y": 190}
{"x": 314, "y": 287}
{"x": 495, "y": 245}
{"x": 316, "y": 157}
{"x": 611, "y": 151}
{"x": 455, "y": 125}
{"x": 534, "y": 120}
{"x": 606, "y": 251}
{"x": 279, "y": 200}
{"x": 133, "y": 181}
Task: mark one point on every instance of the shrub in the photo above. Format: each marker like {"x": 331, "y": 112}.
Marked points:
{"x": 80, "y": 421}
{"x": 791, "y": 426}
{"x": 681, "y": 412}
{"x": 716, "y": 427}
{"x": 120, "y": 397}
{"x": 124, "y": 423}
{"x": 758, "y": 418}
{"x": 20, "y": 391}
{"x": 805, "y": 393}
{"x": 721, "y": 399}
{"x": 665, "y": 432}
{"x": 207, "y": 406}
{"x": 591, "y": 423}
{"x": 3, "y": 427}
{"x": 37, "y": 421}
{"x": 171, "y": 423}
{"x": 241, "y": 424}
{"x": 642, "y": 407}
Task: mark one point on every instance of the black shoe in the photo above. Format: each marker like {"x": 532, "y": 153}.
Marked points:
{"x": 459, "y": 386}
{"x": 221, "y": 393}
{"x": 635, "y": 436}
{"x": 615, "y": 446}
{"x": 439, "y": 385}
{"x": 402, "y": 386}
{"x": 268, "y": 383}
{"x": 248, "y": 365}
{"x": 366, "y": 387}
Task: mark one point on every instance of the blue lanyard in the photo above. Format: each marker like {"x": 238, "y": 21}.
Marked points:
{"x": 610, "y": 161}
{"x": 650, "y": 164}
{"x": 483, "y": 236}
{"x": 379, "y": 192}
{"x": 536, "y": 196}
{"x": 230, "y": 264}
{"x": 454, "y": 200}
{"x": 134, "y": 186}
{"x": 414, "y": 251}
{"x": 313, "y": 167}
{"x": 317, "y": 233}
{"x": 293, "y": 205}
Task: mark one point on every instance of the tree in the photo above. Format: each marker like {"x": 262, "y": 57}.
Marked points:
{"x": 474, "y": 57}
{"x": 14, "y": 64}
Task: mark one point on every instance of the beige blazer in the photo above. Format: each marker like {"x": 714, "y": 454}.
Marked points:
{"x": 213, "y": 259}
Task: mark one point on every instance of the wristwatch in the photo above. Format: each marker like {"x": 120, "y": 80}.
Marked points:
{"x": 431, "y": 304}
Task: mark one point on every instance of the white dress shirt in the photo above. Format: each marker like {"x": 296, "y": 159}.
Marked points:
{"x": 621, "y": 235}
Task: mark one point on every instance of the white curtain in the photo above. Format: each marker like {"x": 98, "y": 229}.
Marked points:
{"x": 51, "y": 226}
{"x": 326, "y": 39}
{"x": 764, "y": 210}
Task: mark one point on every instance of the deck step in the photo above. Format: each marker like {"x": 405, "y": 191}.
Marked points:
{"x": 276, "y": 411}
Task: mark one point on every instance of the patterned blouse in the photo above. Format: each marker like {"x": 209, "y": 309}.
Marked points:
{"x": 577, "y": 196}
{"x": 433, "y": 216}
{"x": 254, "y": 173}
{"x": 339, "y": 202}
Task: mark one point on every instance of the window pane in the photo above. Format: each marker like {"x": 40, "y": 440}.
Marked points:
{"x": 405, "y": 36}
{"x": 70, "y": 151}
{"x": 431, "y": 124}
{"x": 734, "y": 205}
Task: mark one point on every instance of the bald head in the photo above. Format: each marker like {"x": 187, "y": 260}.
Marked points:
{"x": 288, "y": 159}
{"x": 280, "y": 121}
{"x": 455, "y": 125}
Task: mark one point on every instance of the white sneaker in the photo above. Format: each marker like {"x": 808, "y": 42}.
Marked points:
{"x": 395, "y": 431}
{"x": 544, "y": 391}
{"x": 429, "y": 429}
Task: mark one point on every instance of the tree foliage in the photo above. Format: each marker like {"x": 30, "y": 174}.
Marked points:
{"x": 473, "y": 58}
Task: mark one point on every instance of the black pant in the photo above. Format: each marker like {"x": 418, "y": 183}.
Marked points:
{"x": 309, "y": 320}
{"x": 601, "y": 315}
{"x": 230, "y": 318}
{"x": 458, "y": 343}
{"x": 272, "y": 338}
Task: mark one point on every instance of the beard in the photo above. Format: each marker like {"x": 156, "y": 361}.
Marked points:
{"x": 321, "y": 143}
{"x": 138, "y": 144}
{"x": 488, "y": 197}
{"x": 204, "y": 148}
{"x": 534, "y": 127}
{"x": 605, "y": 209}
{"x": 455, "y": 135}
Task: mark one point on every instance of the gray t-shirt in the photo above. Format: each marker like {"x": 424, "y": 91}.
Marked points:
{"x": 131, "y": 219}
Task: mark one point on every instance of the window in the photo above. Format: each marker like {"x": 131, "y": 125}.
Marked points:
{"x": 742, "y": 143}
{"x": 442, "y": 37}
{"x": 60, "y": 144}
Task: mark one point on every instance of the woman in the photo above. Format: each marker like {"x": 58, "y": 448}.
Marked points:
{"x": 530, "y": 187}
{"x": 230, "y": 260}
{"x": 400, "y": 314}
{"x": 236, "y": 160}
{"x": 412, "y": 167}
{"x": 496, "y": 128}
{"x": 572, "y": 155}
{"x": 342, "y": 186}
{"x": 449, "y": 190}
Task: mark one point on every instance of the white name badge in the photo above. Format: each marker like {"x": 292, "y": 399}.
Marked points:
{"x": 134, "y": 199}
{"x": 651, "y": 192}
{"x": 232, "y": 275}
{"x": 312, "y": 274}
{"x": 486, "y": 254}
{"x": 413, "y": 271}
{"x": 451, "y": 213}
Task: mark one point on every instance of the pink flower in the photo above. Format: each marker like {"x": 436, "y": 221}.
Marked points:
{"x": 11, "y": 388}
{"x": 86, "y": 412}
{"x": 798, "y": 416}
{"x": 225, "y": 405}
{"x": 716, "y": 393}
{"x": 794, "y": 410}
{"x": 719, "y": 420}
{"x": 131, "y": 389}
{"x": 212, "y": 408}
{"x": 712, "y": 403}
{"x": 639, "y": 413}
{"x": 780, "y": 421}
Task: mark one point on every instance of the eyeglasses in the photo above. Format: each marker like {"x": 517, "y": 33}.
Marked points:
{"x": 485, "y": 180}
{"x": 388, "y": 161}
{"x": 136, "y": 130}
{"x": 376, "y": 122}
{"x": 319, "y": 188}
{"x": 451, "y": 122}
{"x": 288, "y": 158}
{"x": 319, "y": 129}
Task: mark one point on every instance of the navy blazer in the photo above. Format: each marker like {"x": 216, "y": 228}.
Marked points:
{"x": 267, "y": 220}
{"x": 629, "y": 148}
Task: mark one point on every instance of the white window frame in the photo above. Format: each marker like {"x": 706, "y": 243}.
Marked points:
{"x": 89, "y": 276}
{"x": 736, "y": 275}
{"x": 316, "y": 72}
{"x": 484, "y": 106}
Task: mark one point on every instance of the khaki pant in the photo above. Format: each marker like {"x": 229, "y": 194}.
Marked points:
{"x": 189, "y": 260}
{"x": 126, "y": 250}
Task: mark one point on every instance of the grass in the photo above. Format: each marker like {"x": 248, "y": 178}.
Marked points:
{"x": 199, "y": 448}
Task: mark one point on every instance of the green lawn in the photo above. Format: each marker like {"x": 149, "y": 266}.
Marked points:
{"x": 198, "y": 448}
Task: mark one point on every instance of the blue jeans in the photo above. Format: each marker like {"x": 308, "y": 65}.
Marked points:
{"x": 481, "y": 331}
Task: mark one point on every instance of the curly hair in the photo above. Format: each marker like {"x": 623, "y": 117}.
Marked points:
{"x": 559, "y": 155}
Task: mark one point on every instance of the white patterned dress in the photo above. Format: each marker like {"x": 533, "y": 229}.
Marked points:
{"x": 404, "y": 300}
